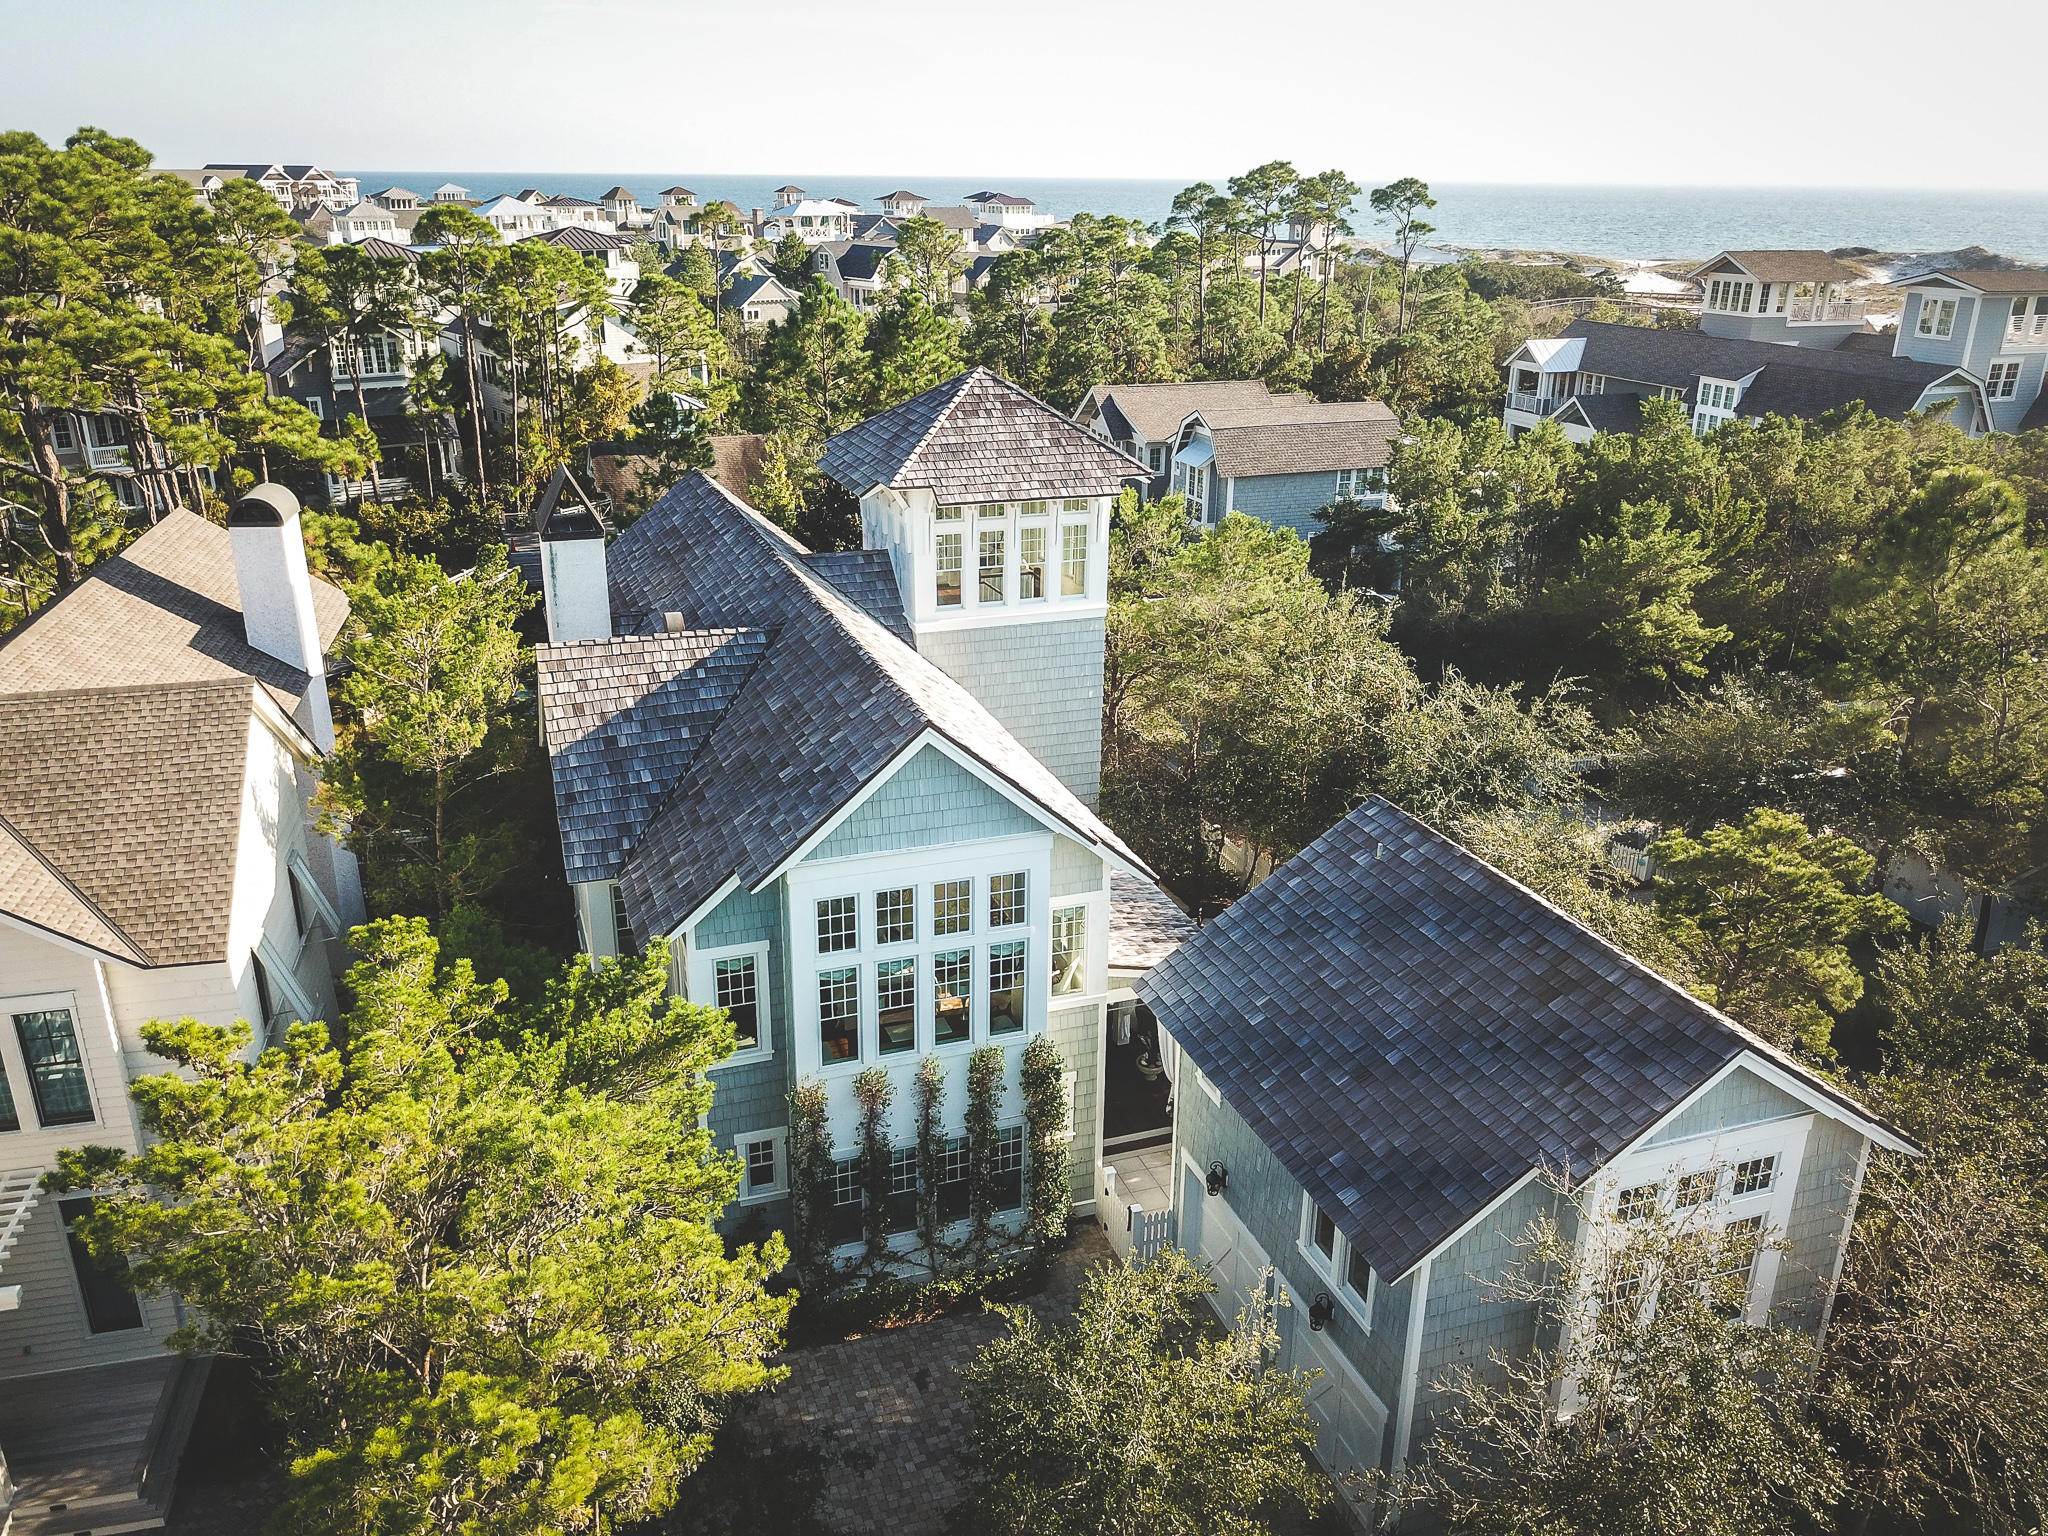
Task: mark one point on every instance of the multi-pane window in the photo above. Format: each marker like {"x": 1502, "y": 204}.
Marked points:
{"x": 953, "y": 906}
{"x": 1031, "y": 509}
{"x": 1636, "y": 1204}
{"x": 10, "y": 1117}
{"x": 1729, "y": 295}
{"x": 763, "y": 1172}
{"x": 736, "y": 984}
{"x": 838, "y": 924}
{"x": 1696, "y": 1189}
{"x": 949, "y": 514}
{"x": 1074, "y": 504}
{"x": 953, "y": 1165}
{"x": 61, "y": 436}
{"x": 1006, "y": 1165}
{"x": 902, "y": 1211}
{"x": 896, "y": 915}
{"x": 1005, "y": 900}
{"x": 110, "y": 1304}
{"x": 1073, "y": 559}
{"x": 1937, "y": 317}
{"x": 1736, "y": 1268}
{"x": 946, "y": 570}
{"x": 2003, "y": 380}
{"x": 952, "y": 996}
{"x": 1155, "y": 458}
{"x": 896, "y": 1004}
{"x": 1356, "y": 484}
{"x": 1322, "y": 1231}
{"x": 56, "y": 1070}
{"x": 991, "y": 566}
{"x": 990, "y": 509}
{"x": 1005, "y": 988}
{"x": 846, "y": 1200}
{"x": 1069, "y": 950}
{"x": 1755, "y": 1176}
{"x": 1031, "y": 561}
{"x": 839, "y": 1014}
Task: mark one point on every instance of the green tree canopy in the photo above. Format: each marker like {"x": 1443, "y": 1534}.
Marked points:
{"x": 477, "y": 1278}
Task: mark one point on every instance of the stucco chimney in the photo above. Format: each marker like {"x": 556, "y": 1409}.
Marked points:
{"x": 277, "y": 595}
{"x": 572, "y": 564}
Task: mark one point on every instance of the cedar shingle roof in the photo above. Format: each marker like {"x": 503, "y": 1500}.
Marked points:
{"x": 1785, "y": 267}
{"x": 1145, "y": 926}
{"x": 1157, "y": 410}
{"x": 134, "y": 796}
{"x": 1411, "y": 1032}
{"x": 867, "y": 579}
{"x": 828, "y": 703}
{"x": 164, "y": 610}
{"x": 977, "y": 437}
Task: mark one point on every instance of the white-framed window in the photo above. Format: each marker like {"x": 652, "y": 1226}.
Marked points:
{"x": 838, "y": 924}
{"x": 952, "y": 996}
{"x": 1730, "y": 295}
{"x": 62, "y": 438}
{"x": 989, "y": 566}
{"x": 1638, "y": 1202}
{"x": 896, "y": 915}
{"x": 839, "y": 1015}
{"x": 991, "y": 509}
{"x": 1069, "y": 950}
{"x": 1006, "y": 900}
{"x": 1007, "y": 968}
{"x": 949, "y": 514}
{"x": 1357, "y": 484}
{"x": 1717, "y": 396}
{"x": 896, "y": 1005}
{"x": 952, "y": 907}
{"x": 1031, "y": 562}
{"x": 2002, "y": 380}
{"x": 54, "y": 1086}
{"x": 1209, "y": 1090}
{"x": 1155, "y": 457}
{"x": 946, "y": 569}
{"x": 1753, "y": 1176}
{"x": 764, "y": 1165}
{"x": 622, "y": 927}
{"x": 739, "y": 985}
{"x": 1696, "y": 1189}
{"x": 1592, "y": 384}
{"x": 1075, "y": 504}
{"x": 1073, "y": 559}
{"x": 1331, "y": 1255}
{"x": 1937, "y": 316}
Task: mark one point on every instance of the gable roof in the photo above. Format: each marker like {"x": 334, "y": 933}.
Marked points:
{"x": 132, "y": 796}
{"x": 1156, "y": 411}
{"x": 1294, "y": 435}
{"x": 1606, "y": 413}
{"x": 1996, "y": 280}
{"x": 1412, "y": 1033}
{"x": 861, "y": 263}
{"x": 1784, "y": 267}
{"x": 581, "y": 237}
{"x": 387, "y": 250}
{"x": 1794, "y": 380}
{"x": 977, "y": 436}
{"x": 829, "y": 702}
{"x": 746, "y": 289}
{"x": 34, "y": 891}
{"x": 164, "y": 610}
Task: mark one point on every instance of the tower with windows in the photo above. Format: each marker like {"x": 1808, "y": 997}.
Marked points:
{"x": 994, "y": 510}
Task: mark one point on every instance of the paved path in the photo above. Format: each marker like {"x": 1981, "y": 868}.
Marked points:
{"x": 891, "y": 1407}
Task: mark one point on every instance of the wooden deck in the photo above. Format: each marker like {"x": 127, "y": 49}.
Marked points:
{"x": 96, "y": 1450}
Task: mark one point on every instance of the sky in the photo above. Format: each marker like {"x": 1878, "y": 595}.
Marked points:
{"x": 1623, "y": 92}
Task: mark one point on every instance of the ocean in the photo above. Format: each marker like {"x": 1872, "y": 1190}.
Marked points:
{"x": 1634, "y": 223}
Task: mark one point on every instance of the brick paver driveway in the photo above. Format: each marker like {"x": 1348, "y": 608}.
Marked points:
{"x": 893, "y": 1401}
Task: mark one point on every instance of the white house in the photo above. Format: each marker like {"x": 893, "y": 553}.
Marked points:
{"x": 295, "y": 186}
{"x": 816, "y": 220}
{"x": 161, "y": 727}
{"x": 1007, "y": 209}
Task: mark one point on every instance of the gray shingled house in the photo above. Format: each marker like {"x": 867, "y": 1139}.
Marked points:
{"x": 797, "y": 768}
{"x": 1380, "y": 1052}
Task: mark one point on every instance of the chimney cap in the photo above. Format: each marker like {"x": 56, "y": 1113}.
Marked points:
{"x": 268, "y": 505}
{"x": 574, "y": 516}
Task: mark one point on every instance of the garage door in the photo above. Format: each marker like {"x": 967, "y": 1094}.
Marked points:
{"x": 1350, "y": 1420}
{"x": 1226, "y": 1250}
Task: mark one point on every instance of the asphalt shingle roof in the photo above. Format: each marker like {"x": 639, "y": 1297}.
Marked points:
{"x": 859, "y": 263}
{"x": 35, "y": 891}
{"x": 2012, "y": 280}
{"x": 134, "y": 797}
{"x": 1157, "y": 410}
{"x": 1411, "y": 1032}
{"x": 1786, "y": 267}
{"x": 977, "y": 437}
{"x": 581, "y": 237}
{"x": 1302, "y": 436}
{"x": 164, "y": 610}
{"x": 1802, "y": 381}
{"x": 828, "y": 703}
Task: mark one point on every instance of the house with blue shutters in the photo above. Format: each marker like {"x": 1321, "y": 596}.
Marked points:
{"x": 1234, "y": 446}
{"x": 851, "y": 789}
{"x": 1380, "y": 1054}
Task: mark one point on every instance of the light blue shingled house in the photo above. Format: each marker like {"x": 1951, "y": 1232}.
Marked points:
{"x": 851, "y": 788}
{"x": 1380, "y": 1051}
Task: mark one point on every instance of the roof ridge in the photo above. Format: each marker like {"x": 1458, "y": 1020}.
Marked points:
{"x": 35, "y": 852}
{"x": 242, "y": 681}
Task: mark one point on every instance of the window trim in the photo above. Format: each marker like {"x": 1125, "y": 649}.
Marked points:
{"x": 779, "y": 1135}
{"x": 1334, "y": 1268}
{"x": 700, "y": 985}
{"x": 1947, "y": 305}
{"x": 21, "y": 1081}
{"x": 2013, "y": 367}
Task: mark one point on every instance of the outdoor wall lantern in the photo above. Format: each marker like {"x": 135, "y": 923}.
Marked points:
{"x": 1219, "y": 1177}
{"x": 1320, "y": 1311}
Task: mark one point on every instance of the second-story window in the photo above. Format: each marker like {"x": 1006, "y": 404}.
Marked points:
{"x": 1005, "y": 988}
{"x": 1030, "y": 561}
{"x": 896, "y": 915}
{"x": 1006, "y": 900}
{"x": 1070, "y": 949}
{"x": 736, "y": 984}
{"x": 952, "y": 996}
{"x": 1937, "y": 317}
{"x": 1073, "y": 559}
{"x": 952, "y": 906}
{"x": 991, "y": 566}
{"x": 896, "y": 1005}
{"x": 838, "y": 924}
{"x": 2002, "y": 382}
{"x": 839, "y": 1015}
{"x": 946, "y": 570}
{"x": 56, "y": 1070}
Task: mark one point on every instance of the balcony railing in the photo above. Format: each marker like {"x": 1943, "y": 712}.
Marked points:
{"x": 1825, "y": 311}
{"x": 1535, "y": 405}
{"x": 114, "y": 456}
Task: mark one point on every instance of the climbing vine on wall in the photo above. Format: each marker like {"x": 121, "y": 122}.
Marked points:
{"x": 931, "y": 1158}
{"x": 1048, "y": 1199}
{"x": 810, "y": 1184}
{"x": 984, "y": 1105}
{"x": 874, "y": 1092}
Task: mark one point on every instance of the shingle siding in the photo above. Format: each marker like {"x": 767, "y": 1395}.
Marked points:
{"x": 930, "y": 800}
{"x": 1043, "y": 681}
{"x": 751, "y": 1096}
{"x": 1078, "y": 1034}
{"x": 1740, "y": 1098}
{"x": 1814, "y": 1230}
{"x": 1285, "y": 501}
{"x": 1076, "y": 871}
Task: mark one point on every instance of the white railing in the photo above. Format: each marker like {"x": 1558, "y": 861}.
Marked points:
{"x": 1535, "y": 405}
{"x": 115, "y": 457}
{"x": 1826, "y": 311}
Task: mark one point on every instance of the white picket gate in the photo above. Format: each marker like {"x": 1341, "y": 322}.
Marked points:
{"x": 1150, "y": 1232}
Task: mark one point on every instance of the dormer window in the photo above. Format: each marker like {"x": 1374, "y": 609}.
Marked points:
{"x": 1937, "y": 317}
{"x": 946, "y": 570}
{"x": 991, "y": 566}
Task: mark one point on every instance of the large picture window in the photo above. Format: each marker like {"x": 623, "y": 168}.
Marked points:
{"x": 56, "y": 1070}
{"x": 952, "y": 996}
{"x": 896, "y": 1005}
{"x": 1005, "y": 988}
{"x": 839, "y": 1015}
